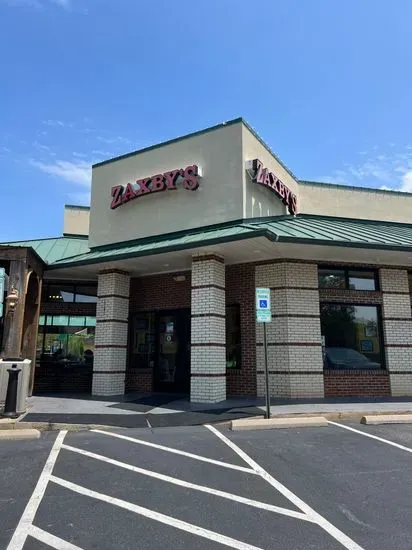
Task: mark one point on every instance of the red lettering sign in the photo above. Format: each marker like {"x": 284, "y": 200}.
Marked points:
{"x": 262, "y": 176}
{"x": 159, "y": 182}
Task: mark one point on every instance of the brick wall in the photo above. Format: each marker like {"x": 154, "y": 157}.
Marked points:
{"x": 112, "y": 312}
{"x": 208, "y": 333}
{"x": 293, "y": 337}
{"x": 397, "y": 329}
{"x": 356, "y": 383}
{"x": 240, "y": 289}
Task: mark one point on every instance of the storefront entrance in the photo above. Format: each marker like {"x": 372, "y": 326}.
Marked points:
{"x": 160, "y": 348}
{"x": 172, "y": 364}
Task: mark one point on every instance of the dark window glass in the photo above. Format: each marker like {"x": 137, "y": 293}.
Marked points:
{"x": 233, "y": 355}
{"x": 59, "y": 293}
{"x": 356, "y": 279}
{"x": 86, "y": 293}
{"x": 66, "y": 340}
{"x": 332, "y": 278}
{"x": 351, "y": 336}
{"x": 143, "y": 341}
{"x": 362, "y": 280}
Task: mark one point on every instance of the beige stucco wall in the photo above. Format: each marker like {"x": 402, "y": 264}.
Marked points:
{"x": 349, "y": 202}
{"x": 219, "y": 197}
{"x": 76, "y": 220}
{"x": 259, "y": 201}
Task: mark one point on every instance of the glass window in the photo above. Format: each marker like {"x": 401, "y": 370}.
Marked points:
{"x": 353, "y": 279}
{"x": 66, "y": 340}
{"x": 351, "y": 336}
{"x": 143, "y": 341}
{"x": 233, "y": 349}
{"x": 332, "y": 278}
{"x": 362, "y": 280}
{"x": 59, "y": 293}
{"x": 86, "y": 293}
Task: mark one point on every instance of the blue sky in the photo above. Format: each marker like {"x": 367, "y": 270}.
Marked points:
{"x": 326, "y": 84}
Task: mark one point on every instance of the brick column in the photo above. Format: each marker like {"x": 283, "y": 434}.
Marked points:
{"x": 294, "y": 337}
{"x": 112, "y": 312}
{"x": 208, "y": 349}
{"x": 397, "y": 329}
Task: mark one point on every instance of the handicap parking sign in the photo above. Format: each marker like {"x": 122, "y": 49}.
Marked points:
{"x": 263, "y": 313}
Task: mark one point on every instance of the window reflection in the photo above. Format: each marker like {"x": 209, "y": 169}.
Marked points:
{"x": 233, "y": 348}
{"x": 66, "y": 340}
{"x": 351, "y": 336}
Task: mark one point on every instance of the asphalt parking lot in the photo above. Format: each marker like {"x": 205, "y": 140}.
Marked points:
{"x": 207, "y": 487}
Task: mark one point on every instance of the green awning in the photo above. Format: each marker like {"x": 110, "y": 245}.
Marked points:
{"x": 55, "y": 249}
{"x": 306, "y": 229}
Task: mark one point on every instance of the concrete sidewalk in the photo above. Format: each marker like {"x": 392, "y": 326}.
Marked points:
{"x": 163, "y": 410}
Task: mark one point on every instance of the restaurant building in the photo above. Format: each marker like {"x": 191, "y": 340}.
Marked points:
{"x": 152, "y": 288}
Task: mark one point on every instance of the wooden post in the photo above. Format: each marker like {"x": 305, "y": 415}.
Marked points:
{"x": 13, "y": 321}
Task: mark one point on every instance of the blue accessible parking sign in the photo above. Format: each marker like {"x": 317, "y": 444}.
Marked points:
{"x": 263, "y": 313}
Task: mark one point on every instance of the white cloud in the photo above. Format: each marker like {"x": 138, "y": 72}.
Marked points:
{"x": 391, "y": 170}
{"x": 42, "y": 147}
{"x": 117, "y": 139}
{"x": 57, "y": 123}
{"x": 78, "y": 173}
{"x": 407, "y": 182}
{"x": 66, "y": 4}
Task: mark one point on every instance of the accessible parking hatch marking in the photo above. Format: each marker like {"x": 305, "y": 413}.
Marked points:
{"x": 380, "y": 439}
{"x": 333, "y": 531}
{"x": 177, "y": 451}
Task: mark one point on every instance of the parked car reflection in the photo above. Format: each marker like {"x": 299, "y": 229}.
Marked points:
{"x": 347, "y": 358}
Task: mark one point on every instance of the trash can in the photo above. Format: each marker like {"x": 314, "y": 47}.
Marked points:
{"x": 24, "y": 381}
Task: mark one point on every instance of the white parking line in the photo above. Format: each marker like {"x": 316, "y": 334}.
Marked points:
{"x": 182, "y": 483}
{"x": 176, "y": 451}
{"x": 392, "y": 443}
{"x": 51, "y": 540}
{"x": 23, "y": 527}
{"x": 336, "y": 533}
{"x": 156, "y": 516}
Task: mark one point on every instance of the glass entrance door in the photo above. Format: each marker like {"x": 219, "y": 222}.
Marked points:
{"x": 172, "y": 366}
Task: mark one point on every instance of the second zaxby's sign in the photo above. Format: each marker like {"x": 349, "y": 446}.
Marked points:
{"x": 262, "y": 176}
{"x": 121, "y": 194}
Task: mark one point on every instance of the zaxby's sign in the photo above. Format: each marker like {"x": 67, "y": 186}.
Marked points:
{"x": 160, "y": 182}
{"x": 262, "y": 176}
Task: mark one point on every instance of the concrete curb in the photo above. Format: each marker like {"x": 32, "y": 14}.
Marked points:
{"x": 244, "y": 424}
{"x": 344, "y": 415}
{"x": 19, "y": 435}
{"x": 374, "y": 420}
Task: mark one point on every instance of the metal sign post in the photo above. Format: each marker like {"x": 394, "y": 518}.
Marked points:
{"x": 264, "y": 315}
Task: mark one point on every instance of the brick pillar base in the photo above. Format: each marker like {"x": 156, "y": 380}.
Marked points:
{"x": 397, "y": 329}
{"x": 294, "y": 340}
{"x": 208, "y": 349}
{"x": 109, "y": 366}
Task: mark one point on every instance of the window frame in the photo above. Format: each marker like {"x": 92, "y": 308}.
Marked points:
{"x": 346, "y": 270}
{"x": 44, "y": 328}
{"x": 380, "y": 331}
{"x": 239, "y": 345}
{"x": 74, "y": 286}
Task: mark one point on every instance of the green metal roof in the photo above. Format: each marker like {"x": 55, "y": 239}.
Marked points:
{"x": 55, "y": 249}
{"x": 306, "y": 229}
